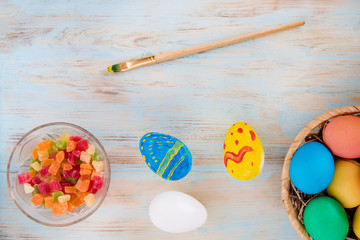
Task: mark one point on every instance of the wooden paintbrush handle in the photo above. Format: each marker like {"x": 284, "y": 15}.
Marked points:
{"x": 204, "y": 47}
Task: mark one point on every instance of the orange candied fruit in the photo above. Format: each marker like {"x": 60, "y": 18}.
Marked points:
{"x": 37, "y": 199}
{"x": 49, "y": 201}
{"x": 45, "y": 145}
{"x": 35, "y": 154}
{"x": 86, "y": 166}
{"x": 54, "y": 167}
{"x": 82, "y": 195}
{"x": 84, "y": 171}
{"x": 70, "y": 189}
{"x": 70, "y": 207}
{"x": 82, "y": 185}
{"x": 59, "y": 208}
{"x": 32, "y": 173}
{"x": 56, "y": 177}
{"x": 46, "y": 162}
{"x": 60, "y": 156}
{"x": 66, "y": 166}
{"x": 76, "y": 202}
{"x": 71, "y": 146}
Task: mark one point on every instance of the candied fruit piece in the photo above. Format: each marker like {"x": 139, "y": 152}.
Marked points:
{"x": 70, "y": 207}
{"x": 28, "y": 188}
{"x": 44, "y": 171}
{"x": 36, "y": 166}
{"x": 97, "y": 182}
{"x": 82, "y": 185}
{"x": 76, "y": 153}
{"x": 65, "y": 137}
{"x": 82, "y": 195}
{"x": 86, "y": 166}
{"x": 44, "y": 188}
{"x": 64, "y": 184}
{"x": 52, "y": 156}
{"x": 75, "y": 138}
{"x": 32, "y": 173}
{"x": 71, "y": 146}
{"x": 43, "y": 154}
{"x": 71, "y": 180}
{"x": 59, "y": 208}
{"x": 60, "y": 156}
{"x": 66, "y": 166}
{"x": 56, "y": 195}
{"x": 84, "y": 171}
{"x": 49, "y": 201}
{"x": 34, "y": 153}
{"x": 98, "y": 166}
{"x": 85, "y": 157}
{"x": 89, "y": 199}
{"x": 36, "y": 180}
{"x": 47, "y": 162}
{"x": 55, "y": 186}
{"x": 53, "y": 149}
{"x": 70, "y": 189}
{"x": 91, "y": 149}
{"x": 82, "y": 145}
{"x": 45, "y": 145}
{"x": 92, "y": 189}
{"x": 76, "y": 202}
{"x": 36, "y": 190}
{"x": 54, "y": 167}
{"x": 61, "y": 144}
{"x": 37, "y": 199}
{"x": 56, "y": 177}
{"x": 72, "y": 159}
{"x": 64, "y": 198}
{"x": 100, "y": 174}
{"x": 24, "y": 178}
{"x": 95, "y": 156}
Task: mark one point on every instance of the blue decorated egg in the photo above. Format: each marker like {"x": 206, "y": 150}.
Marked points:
{"x": 165, "y": 155}
{"x": 312, "y": 168}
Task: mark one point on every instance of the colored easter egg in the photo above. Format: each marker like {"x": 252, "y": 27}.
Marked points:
{"x": 325, "y": 218}
{"x": 243, "y": 152}
{"x": 165, "y": 155}
{"x": 176, "y": 212}
{"x": 345, "y": 186}
{"x": 356, "y": 222}
{"x": 342, "y": 136}
{"x": 312, "y": 168}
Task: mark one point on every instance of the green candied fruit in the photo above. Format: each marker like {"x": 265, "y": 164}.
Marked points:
{"x": 56, "y": 195}
{"x": 61, "y": 144}
{"x": 36, "y": 190}
{"x": 71, "y": 180}
{"x": 53, "y": 149}
{"x": 78, "y": 162}
{"x": 95, "y": 156}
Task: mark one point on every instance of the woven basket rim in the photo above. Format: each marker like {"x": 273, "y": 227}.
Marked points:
{"x": 285, "y": 176}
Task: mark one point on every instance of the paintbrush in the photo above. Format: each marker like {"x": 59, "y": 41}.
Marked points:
{"x": 162, "y": 57}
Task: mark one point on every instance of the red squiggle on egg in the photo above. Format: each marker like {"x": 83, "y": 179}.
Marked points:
{"x": 237, "y": 158}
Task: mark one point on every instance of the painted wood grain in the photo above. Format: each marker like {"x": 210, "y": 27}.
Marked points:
{"x": 53, "y": 68}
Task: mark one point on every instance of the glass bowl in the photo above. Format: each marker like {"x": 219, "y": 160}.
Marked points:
{"x": 19, "y": 162}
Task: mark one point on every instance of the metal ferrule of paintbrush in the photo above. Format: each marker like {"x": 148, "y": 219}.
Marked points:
{"x": 128, "y": 65}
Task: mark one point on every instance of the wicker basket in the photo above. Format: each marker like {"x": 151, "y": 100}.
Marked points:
{"x": 294, "y": 200}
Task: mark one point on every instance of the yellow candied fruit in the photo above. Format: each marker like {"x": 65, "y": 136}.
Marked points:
{"x": 28, "y": 188}
{"x": 43, "y": 154}
{"x": 64, "y": 198}
{"x": 65, "y": 137}
{"x": 85, "y": 157}
{"x": 91, "y": 149}
{"x": 98, "y": 166}
{"x": 36, "y": 166}
{"x": 89, "y": 199}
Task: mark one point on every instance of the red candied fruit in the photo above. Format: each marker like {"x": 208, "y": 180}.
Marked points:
{"x": 72, "y": 159}
{"x": 82, "y": 145}
{"x": 52, "y": 156}
{"x": 55, "y": 186}
{"x": 76, "y": 153}
{"x": 97, "y": 182}
{"x": 24, "y": 178}
{"x": 44, "y": 171}
{"x": 36, "y": 180}
{"x": 75, "y": 138}
{"x": 92, "y": 189}
{"x": 44, "y": 188}
{"x": 63, "y": 185}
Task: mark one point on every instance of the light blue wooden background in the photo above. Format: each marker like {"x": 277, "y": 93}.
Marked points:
{"x": 54, "y": 56}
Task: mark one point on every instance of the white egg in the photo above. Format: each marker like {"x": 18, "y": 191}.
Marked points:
{"x": 176, "y": 212}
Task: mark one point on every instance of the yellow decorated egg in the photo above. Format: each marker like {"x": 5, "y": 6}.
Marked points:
{"x": 243, "y": 152}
